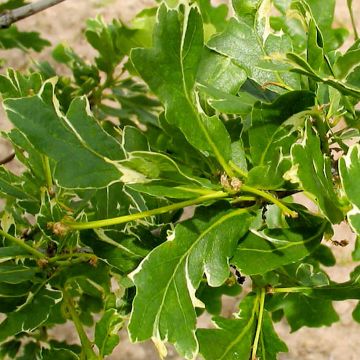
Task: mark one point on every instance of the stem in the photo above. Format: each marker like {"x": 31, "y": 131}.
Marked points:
{"x": 269, "y": 197}
{"x": 353, "y": 23}
{"x": 47, "y": 170}
{"x": 83, "y": 256}
{"x": 297, "y": 289}
{"x": 281, "y": 85}
{"x": 243, "y": 198}
{"x": 259, "y": 323}
{"x": 22, "y": 244}
{"x": 9, "y": 17}
{"x": 127, "y": 218}
{"x": 87, "y": 347}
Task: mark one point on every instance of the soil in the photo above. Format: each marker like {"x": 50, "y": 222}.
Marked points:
{"x": 64, "y": 23}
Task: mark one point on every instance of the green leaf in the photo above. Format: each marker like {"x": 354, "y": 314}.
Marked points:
{"x": 312, "y": 170}
{"x": 156, "y": 166}
{"x": 16, "y": 84}
{"x": 15, "y": 274}
{"x": 300, "y": 66}
{"x": 339, "y": 291}
{"x": 15, "y": 290}
{"x": 13, "y": 38}
{"x": 54, "y": 135}
{"x": 349, "y": 168}
{"x": 300, "y": 307}
{"x": 32, "y": 314}
{"x": 240, "y": 104}
{"x": 270, "y": 344}
{"x": 301, "y": 310}
{"x": 247, "y": 42}
{"x": 212, "y": 296}
{"x": 276, "y": 247}
{"x": 106, "y": 332}
{"x": 10, "y": 349}
{"x": 58, "y": 354}
{"x": 12, "y": 252}
{"x": 171, "y": 76}
{"x": 11, "y": 185}
{"x": 233, "y": 338}
{"x": 134, "y": 140}
{"x": 11, "y": 4}
{"x": 122, "y": 252}
{"x": 220, "y": 72}
{"x": 215, "y": 16}
{"x": 272, "y": 122}
{"x": 106, "y": 40}
{"x": 166, "y": 309}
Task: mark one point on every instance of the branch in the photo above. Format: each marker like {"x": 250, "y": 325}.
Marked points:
{"x": 9, "y": 17}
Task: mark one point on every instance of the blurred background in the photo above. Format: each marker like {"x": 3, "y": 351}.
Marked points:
{"x": 65, "y": 23}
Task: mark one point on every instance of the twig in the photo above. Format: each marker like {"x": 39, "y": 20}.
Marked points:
{"x": 7, "y": 159}
{"x": 353, "y": 22}
{"x": 141, "y": 215}
{"x": 259, "y": 324}
{"x": 9, "y": 17}
{"x": 87, "y": 347}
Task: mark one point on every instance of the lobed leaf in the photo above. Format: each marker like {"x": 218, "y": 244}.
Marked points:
{"x": 53, "y": 134}
{"x": 171, "y": 76}
{"x": 166, "y": 309}
{"x": 32, "y": 314}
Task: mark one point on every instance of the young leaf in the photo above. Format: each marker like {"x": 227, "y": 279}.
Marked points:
{"x": 13, "y": 38}
{"x": 106, "y": 332}
{"x": 349, "y": 168}
{"x": 166, "y": 309}
{"x": 312, "y": 170}
{"x": 250, "y": 31}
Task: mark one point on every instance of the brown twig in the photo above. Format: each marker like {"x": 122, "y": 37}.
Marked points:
{"x": 11, "y": 16}
{"x": 7, "y": 159}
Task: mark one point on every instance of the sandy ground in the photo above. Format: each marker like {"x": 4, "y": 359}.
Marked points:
{"x": 64, "y": 23}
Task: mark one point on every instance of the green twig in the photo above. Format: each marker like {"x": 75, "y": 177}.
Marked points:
{"x": 295, "y": 289}
{"x": 259, "y": 323}
{"x": 240, "y": 199}
{"x": 353, "y": 23}
{"x": 271, "y": 198}
{"x": 127, "y": 218}
{"x": 85, "y": 256}
{"x": 21, "y": 243}
{"x": 87, "y": 346}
